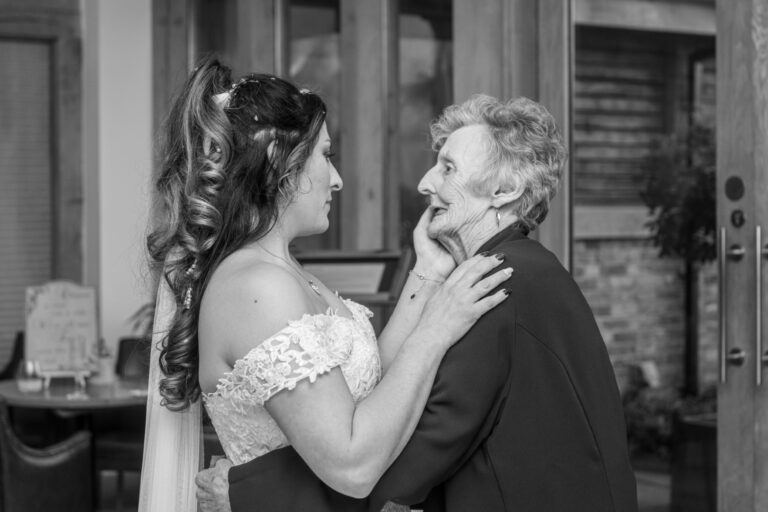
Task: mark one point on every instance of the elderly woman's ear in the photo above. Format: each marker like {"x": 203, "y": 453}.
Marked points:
{"x": 504, "y": 197}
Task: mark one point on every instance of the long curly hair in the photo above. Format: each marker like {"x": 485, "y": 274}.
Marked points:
{"x": 231, "y": 157}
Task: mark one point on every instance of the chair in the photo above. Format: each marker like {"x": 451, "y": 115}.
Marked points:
{"x": 51, "y": 478}
{"x": 9, "y": 372}
{"x": 133, "y": 358}
{"x": 36, "y": 428}
{"x": 119, "y": 434}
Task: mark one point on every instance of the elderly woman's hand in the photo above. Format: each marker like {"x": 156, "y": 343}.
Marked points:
{"x": 431, "y": 258}
{"x": 464, "y": 298}
{"x": 213, "y": 487}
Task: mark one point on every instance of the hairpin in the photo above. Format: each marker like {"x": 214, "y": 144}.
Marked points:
{"x": 188, "y": 292}
{"x": 188, "y": 297}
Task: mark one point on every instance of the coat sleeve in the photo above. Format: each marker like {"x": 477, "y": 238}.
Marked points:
{"x": 459, "y": 416}
{"x": 280, "y": 480}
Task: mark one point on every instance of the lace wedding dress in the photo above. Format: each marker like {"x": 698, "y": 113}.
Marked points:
{"x": 304, "y": 349}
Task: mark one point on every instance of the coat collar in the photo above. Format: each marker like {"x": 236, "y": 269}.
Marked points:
{"x": 508, "y": 234}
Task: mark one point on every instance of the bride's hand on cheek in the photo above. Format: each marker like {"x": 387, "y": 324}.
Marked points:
{"x": 431, "y": 258}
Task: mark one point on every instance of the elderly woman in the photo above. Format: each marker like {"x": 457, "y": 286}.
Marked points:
{"x": 524, "y": 414}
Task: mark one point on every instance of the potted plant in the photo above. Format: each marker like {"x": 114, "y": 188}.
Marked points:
{"x": 679, "y": 190}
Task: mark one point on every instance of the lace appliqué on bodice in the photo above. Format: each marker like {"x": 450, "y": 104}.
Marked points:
{"x": 306, "y": 348}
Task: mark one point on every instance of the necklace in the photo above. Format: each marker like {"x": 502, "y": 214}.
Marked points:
{"x": 310, "y": 282}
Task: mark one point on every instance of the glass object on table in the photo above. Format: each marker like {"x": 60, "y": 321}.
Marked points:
{"x": 28, "y": 377}
{"x": 104, "y": 365}
{"x": 81, "y": 384}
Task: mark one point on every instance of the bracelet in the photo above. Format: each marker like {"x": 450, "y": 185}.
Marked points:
{"x": 423, "y": 279}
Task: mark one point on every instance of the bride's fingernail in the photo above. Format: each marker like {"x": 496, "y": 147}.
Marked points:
{"x": 507, "y": 271}
{"x": 506, "y": 291}
{"x": 484, "y": 253}
{"x": 499, "y": 256}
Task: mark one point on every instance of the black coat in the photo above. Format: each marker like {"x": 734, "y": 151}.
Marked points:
{"x": 524, "y": 416}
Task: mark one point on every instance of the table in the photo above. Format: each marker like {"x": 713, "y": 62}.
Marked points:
{"x": 120, "y": 393}
{"x": 61, "y": 397}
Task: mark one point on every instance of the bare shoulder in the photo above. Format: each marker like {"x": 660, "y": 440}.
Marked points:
{"x": 244, "y": 304}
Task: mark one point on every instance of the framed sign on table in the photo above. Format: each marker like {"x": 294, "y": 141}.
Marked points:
{"x": 60, "y": 329}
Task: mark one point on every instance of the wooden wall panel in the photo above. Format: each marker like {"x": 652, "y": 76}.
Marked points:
{"x": 681, "y": 17}
{"x": 631, "y": 89}
{"x": 478, "y": 55}
{"x": 171, "y": 54}
{"x": 619, "y": 113}
{"x": 520, "y": 66}
{"x": 58, "y": 21}
{"x": 501, "y": 59}
{"x": 366, "y": 40}
{"x": 256, "y": 36}
{"x": 555, "y": 56}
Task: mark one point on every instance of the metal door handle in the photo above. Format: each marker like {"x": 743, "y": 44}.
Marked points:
{"x": 733, "y": 253}
{"x": 761, "y": 359}
{"x": 722, "y": 285}
{"x": 736, "y": 357}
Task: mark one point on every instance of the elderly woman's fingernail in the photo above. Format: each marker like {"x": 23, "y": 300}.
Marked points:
{"x": 507, "y": 271}
{"x": 506, "y": 291}
{"x": 484, "y": 253}
{"x": 499, "y": 256}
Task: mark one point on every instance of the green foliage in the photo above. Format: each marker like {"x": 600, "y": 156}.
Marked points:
{"x": 649, "y": 420}
{"x": 679, "y": 189}
{"x": 649, "y": 412}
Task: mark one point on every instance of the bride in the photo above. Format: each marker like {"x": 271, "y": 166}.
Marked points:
{"x": 275, "y": 356}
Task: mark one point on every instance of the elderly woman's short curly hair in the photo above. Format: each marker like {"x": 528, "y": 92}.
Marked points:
{"x": 525, "y": 149}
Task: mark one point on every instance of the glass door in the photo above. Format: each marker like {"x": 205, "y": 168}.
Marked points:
{"x": 643, "y": 246}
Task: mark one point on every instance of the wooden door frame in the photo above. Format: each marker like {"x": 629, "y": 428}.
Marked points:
{"x": 742, "y": 153}
{"x": 57, "y": 23}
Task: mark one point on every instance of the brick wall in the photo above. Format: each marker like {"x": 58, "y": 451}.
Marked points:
{"x": 637, "y": 299}
{"x": 638, "y": 302}
{"x": 708, "y": 326}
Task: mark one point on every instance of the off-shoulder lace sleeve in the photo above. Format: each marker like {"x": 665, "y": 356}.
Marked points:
{"x": 302, "y": 350}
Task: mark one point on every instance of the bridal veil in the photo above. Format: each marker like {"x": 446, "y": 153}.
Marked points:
{"x": 172, "y": 440}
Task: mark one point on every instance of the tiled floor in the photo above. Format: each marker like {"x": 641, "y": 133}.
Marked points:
{"x": 652, "y": 491}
